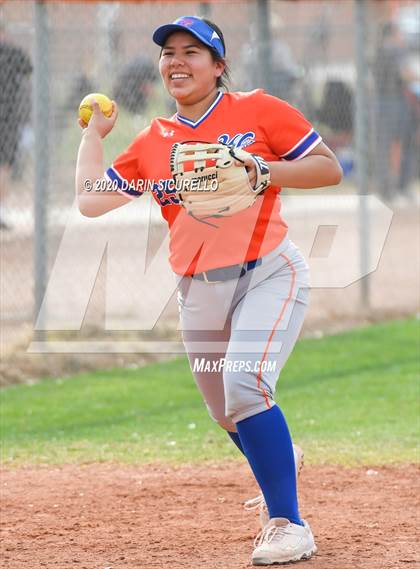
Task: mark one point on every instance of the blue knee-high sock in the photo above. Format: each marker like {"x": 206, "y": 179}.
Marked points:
{"x": 235, "y": 438}
{"x": 268, "y": 447}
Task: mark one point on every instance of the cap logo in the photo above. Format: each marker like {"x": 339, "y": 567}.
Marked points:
{"x": 214, "y": 36}
{"x": 186, "y": 22}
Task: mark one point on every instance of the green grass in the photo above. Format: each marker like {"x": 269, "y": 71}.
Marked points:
{"x": 352, "y": 399}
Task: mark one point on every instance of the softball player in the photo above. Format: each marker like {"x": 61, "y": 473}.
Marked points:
{"x": 243, "y": 285}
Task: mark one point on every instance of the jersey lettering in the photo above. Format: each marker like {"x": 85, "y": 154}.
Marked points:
{"x": 238, "y": 140}
{"x": 164, "y": 191}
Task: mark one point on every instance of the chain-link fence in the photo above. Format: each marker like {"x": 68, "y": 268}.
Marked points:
{"x": 349, "y": 66}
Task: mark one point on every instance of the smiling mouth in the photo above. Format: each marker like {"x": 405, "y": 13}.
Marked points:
{"x": 175, "y": 76}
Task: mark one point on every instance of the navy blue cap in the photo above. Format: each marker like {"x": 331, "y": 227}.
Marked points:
{"x": 195, "y": 26}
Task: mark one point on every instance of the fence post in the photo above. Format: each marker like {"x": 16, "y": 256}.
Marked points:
{"x": 41, "y": 153}
{"x": 204, "y": 9}
{"x": 362, "y": 145}
{"x": 264, "y": 45}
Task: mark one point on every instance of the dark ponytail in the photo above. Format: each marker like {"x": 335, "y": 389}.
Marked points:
{"x": 224, "y": 80}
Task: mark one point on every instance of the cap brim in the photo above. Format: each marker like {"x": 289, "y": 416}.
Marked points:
{"x": 161, "y": 34}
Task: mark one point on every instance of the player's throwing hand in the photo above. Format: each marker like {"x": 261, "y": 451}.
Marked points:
{"x": 98, "y": 121}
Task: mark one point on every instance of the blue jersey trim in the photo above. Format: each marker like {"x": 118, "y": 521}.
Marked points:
{"x": 122, "y": 184}
{"x": 195, "y": 124}
{"x": 303, "y": 147}
{"x": 113, "y": 176}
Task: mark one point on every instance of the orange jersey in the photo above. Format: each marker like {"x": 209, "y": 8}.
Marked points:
{"x": 255, "y": 121}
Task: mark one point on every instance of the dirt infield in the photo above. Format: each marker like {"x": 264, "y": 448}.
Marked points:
{"x": 99, "y": 516}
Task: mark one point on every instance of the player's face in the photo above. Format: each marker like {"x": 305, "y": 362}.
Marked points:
{"x": 187, "y": 68}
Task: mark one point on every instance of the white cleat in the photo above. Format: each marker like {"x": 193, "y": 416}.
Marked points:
{"x": 259, "y": 501}
{"x": 283, "y": 542}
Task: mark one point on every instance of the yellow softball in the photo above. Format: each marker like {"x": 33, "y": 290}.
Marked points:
{"x": 85, "y": 107}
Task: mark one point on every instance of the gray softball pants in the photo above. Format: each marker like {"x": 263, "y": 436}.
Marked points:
{"x": 239, "y": 333}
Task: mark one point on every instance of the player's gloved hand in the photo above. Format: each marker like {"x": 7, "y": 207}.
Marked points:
{"x": 251, "y": 169}
{"x": 98, "y": 122}
{"x": 216, "y": 180}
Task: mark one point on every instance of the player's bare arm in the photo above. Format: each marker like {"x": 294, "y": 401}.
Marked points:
{"x": 317, "y": 169}
{"x": 90, "y": 166}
